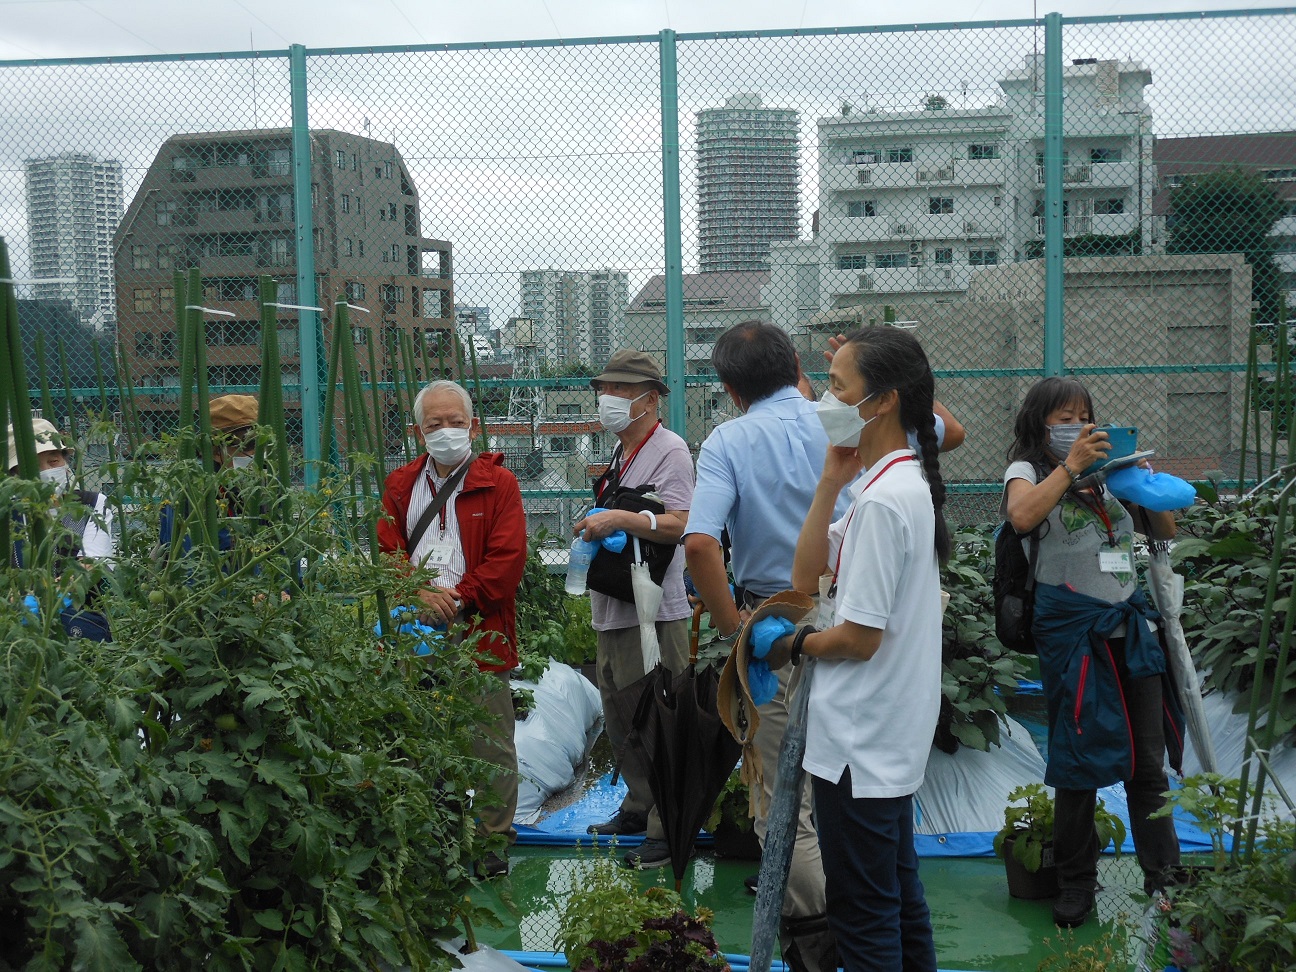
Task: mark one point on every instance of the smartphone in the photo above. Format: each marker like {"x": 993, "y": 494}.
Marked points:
{"x": 1124, "y": 443}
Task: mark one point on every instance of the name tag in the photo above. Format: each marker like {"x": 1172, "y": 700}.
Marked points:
{"x": 439, "y": 555}
{"x": 1115, "y": 562}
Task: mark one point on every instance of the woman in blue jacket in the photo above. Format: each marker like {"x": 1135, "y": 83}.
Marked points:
{"x": 1100, "y": 660}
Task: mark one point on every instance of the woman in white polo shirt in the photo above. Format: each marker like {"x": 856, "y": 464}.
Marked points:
{"x": 876, "y": 691}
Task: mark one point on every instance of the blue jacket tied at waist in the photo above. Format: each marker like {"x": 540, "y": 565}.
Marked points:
{"x": 1090, "y": 744}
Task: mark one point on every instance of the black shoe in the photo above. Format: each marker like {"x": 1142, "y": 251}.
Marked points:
{"x": 492, "y": 866}
{"x": 651, "y": 853}
{"x": 749, "y": 882}
{"x": 621, "y": 825}
{"x": 1072, "y": 907}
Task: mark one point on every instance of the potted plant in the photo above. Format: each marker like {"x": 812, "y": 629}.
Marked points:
{"x": 730, "y": 822}
{"x": 609, "y": 923}
{"x": 1026, "y": 840}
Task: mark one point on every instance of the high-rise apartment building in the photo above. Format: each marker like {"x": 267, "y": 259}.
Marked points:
{"x": 914, "y": 203}
{"x": 747, "y": 182}
{"x": 223, "y": 202}
{"x": 74, "y": 203}
{"x": 577, "y": 315}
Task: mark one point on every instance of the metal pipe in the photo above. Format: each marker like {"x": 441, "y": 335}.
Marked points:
{"x": 676, "y": 408}
{"x": 304, "y": 214}
{"x": 1054, "y": 361}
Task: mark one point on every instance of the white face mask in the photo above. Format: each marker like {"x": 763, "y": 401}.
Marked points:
{"x": 842, "y": 422}
{"x": 448, "y": 446}
{"x": 614, "y": 412}
{"x": 60, "y": 476}
{"x": 241, "y": 462}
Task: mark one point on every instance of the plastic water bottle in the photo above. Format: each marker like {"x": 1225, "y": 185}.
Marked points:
{"x": 582, "y": 552}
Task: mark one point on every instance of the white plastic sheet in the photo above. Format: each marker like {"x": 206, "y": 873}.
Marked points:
{"x": 1228, "y": 731}
{"x": 554, "y": 738}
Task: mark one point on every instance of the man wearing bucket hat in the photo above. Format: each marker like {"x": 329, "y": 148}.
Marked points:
{"x": 89, "y": 528}
{"x": 647, "y": 453}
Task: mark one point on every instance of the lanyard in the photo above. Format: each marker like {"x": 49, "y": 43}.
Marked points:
{"x": 851, "y": 515}
{"x": 1099, "y": 509}
{"x": 427, "y": 471}
{"x": 611, "y": 477}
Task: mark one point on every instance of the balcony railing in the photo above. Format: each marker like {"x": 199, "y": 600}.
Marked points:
{"x": 1071, "y": 225}
{"x": 1072, "y": 172}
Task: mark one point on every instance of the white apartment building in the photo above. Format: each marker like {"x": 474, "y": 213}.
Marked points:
{"x": 915, "y": 203}
{"x": 578, "y": 315}
{"x": 74, "y": 203}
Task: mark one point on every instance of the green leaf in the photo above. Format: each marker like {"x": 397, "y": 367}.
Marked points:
{"x": 269, "y": 920}
{"x": 1236, "y": 545}
{"x": 99, "y": 948}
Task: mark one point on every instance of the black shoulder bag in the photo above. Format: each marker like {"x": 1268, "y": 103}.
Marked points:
{"x": 436, "y": 506}
{"x": 609, "y": 572}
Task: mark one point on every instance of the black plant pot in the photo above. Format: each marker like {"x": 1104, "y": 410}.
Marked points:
{"x": 1030, "y": 885}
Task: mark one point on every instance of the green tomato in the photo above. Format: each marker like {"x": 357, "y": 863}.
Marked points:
{"x": 156, "y": 597}
{"x": 227, "y": 722}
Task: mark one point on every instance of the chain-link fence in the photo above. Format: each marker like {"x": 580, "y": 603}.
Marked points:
{"x": 1111, "y": 197}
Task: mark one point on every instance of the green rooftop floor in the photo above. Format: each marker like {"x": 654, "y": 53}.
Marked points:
{"x": 977, "y": 925}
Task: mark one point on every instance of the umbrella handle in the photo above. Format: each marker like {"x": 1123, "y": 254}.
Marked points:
{"x": 694, "y": 630}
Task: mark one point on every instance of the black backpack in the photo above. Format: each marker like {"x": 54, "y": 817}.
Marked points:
{"x": 1014, "y": 586}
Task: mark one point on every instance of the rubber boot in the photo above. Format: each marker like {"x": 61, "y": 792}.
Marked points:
{"x": 808, "y": 944}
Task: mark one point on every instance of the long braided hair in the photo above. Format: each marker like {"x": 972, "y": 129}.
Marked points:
{"x": 888, "y": 358}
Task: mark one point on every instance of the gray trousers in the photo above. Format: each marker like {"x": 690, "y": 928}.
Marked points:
{"x": 620, "y": 663}
{"x": 494, "y": 744}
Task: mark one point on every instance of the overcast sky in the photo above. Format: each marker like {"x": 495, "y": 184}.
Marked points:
{"x": 550, "y": 157}
{"x": 68, "y": 28}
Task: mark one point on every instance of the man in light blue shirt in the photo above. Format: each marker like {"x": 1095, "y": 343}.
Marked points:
{"x": 756, "y": 476}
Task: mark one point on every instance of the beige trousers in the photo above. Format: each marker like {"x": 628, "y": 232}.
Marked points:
{"x": 494, "y": 744}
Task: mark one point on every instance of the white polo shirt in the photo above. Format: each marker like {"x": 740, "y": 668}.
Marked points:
{"x": 878, "y": 716}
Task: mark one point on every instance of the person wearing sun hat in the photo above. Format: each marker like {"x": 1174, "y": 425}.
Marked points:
{"x": 630, "y": 388}
{"x": 88, "y": 526}
{"x": 232, "y": 419}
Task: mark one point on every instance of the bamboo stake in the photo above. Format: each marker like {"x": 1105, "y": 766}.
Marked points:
{"x": 47, "y": 400}
{"x": 77, "y": 456}
{"x": 328, "y": 434}
{"x": 1247, "y": 395}
{"x": 19, "y": 407}
{"x": 380, "y": 424}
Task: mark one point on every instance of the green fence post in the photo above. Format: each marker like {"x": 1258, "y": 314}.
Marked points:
{"x": 307, "y": 329}
{"x": 1054, "y": 363}
{"x": 674, "y": 263}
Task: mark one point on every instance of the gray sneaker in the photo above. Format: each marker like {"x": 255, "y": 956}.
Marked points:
{"x": 651, "y": 853}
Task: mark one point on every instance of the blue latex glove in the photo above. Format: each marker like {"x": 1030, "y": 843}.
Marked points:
{"x": 763, "y": 682}
{"x": 768, "y": 630}
{"x": 431, "y": 638}
{"x": 613, "y": 542}
{"x": 1159, "y": 492}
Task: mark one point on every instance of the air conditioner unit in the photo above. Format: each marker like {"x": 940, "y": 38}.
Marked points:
{"x": 915, "y": 259}
{"x": 915, "y": 247}
{"x": 901, "y": 229}
{"x": 970, "y": 227}
{"x": 866, "y": 281}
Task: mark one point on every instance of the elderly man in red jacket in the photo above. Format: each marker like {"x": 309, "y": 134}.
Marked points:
{"x": 461, "y": 515}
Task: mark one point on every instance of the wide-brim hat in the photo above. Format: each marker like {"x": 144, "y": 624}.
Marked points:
{"x": 233, "y": 412}
{"x": 632, "y": 367}
{"x": 48, "y": 439}
{"x": 734, "y": 696}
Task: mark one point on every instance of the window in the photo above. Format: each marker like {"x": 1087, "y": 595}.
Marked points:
{"x": 885, "y": 260}
{"x": 167, "y": 343}
{"x": 990, "y": 151}
{"x": 983, "y": 258}
{"x": 276, "y": 252}
{"x": 360, "y": 336}
{"x": 567, "y": 408}
{"x": 1105, "y": 155}
{"x": 390, "y": 296}
{"x": 355, "y": 291}
{"x": 998, "y": 201}
{"x": 1278, "y": 175}
{"x": 394, "y": 254}
{"x": 360, "y": 248}
{"x": 348, "y": 248}
{"x": 1174, "y": 180}
{"x": 277, "y": 162}
{"x": 242, "y": 332}
{"x": 141, "y": 257}
{"x": 862, "y": 207}
{"x": 341, "y": 159}
{"x": 866, "y": 157}
{"x": 1109, "y": 207}
{"x": 562, "y": 443}
{"x": 940, "y": 205}
{"x": 143, "y": 299}
{"x": 382, "y": 214}
{"x": 377, "y": 171}
{"x": 852, "y": 261}
{"x": 164, "y": 210}
{"x": 391, "y": 212}
{"x": 143, "y": 345}
{"x": 944, "y": 255}
{"x": 899, "y": 154}
{"x": 387, "y": 170}
{"x": 166, "y": 299}
{"x": 167, "y": 255}
{"x": 353, "y": 162}
{"x": 286, "y": 292}
{"x": 346, "y": 203}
